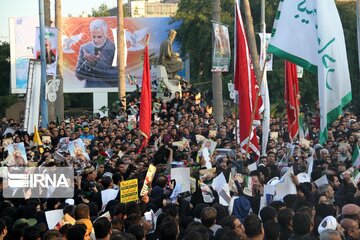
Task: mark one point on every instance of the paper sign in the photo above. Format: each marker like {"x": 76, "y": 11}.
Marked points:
{"x": 46, "y": 140}
{"x": 181, "y": 176}
{"x": 176, "y": 192}
{"x": 132, "y": 122}
{"x": 207, "y": 193}
{"x": 200, "y": 138}
{"x": 252, "y": 167}
{"x": 269, "y": 193}
{"x": 77, "y": 149}
{"x": 285, "y": 185}
{"x": 181, "y": 145}
{"x": 224, "y": 196}
{"x": 355, "y": 177}
{"x": 220, "y": 185}
{"x": 262, "y": 204}
{"x": 6, "y": 142}
{"x": 321, "y": 181}
{"x": 219, "y": 182}
{"x": 107, "y": 195}
{"x": 290, "y": 149}
{"x": 67, "y": 219}
{"x": 347, "y": 173}
{"x": 310, "y": 164}
{"x": 16, "y": 154}
{"x": 107, "y": 215}
{"x": 129, "y": 190}
{"x": 148, "y": 180}
{"x": 210, "y": 145}
{"x": 53, "y": 217}
{"x": 206, "y": 175}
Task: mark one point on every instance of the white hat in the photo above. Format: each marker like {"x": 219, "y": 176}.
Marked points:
{"x": 327, "y": 223}
{"x": 107, "y": 174}
{"x": 70, "y": 201}
{"x": 303, "y": 177}
{"x": 274, "y": 181}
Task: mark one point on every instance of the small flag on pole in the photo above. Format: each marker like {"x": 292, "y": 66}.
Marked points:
{"x": 356, "y": 157}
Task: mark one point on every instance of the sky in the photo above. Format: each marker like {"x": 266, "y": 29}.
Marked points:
{"x": 25, "y": 8}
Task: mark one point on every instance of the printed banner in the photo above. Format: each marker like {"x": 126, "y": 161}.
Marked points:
{"x": 16, "y": 155}
{"x": 148, "y": 180}
{"x": 77, "y": 149}
{"x": 129, "y": 191}
{"x": 88, "y": 66}
{"x": 51, "y": 49}
{"x": 221, "y": 48}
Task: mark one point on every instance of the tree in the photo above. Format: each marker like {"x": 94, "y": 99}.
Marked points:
{"x": 120, "y": 55}
{"x": 347, "y": 12}
{"x": 102, "y": 11}
{"x": 5, "y": 98}
{"x": 195, "y": 37}
{"x": 195, "y": 33}
{"x": 4, "y": 68}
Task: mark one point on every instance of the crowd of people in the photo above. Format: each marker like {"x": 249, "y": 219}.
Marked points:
{"x": 328, "y": 211}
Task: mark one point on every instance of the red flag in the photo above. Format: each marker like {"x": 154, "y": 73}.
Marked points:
{"x": 246, "y": 86}
{"x": 145, "y": 99}
{"x": 292, "y": 99}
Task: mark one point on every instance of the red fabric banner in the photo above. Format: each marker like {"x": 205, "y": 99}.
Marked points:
{"x": 292, "y": 99}
{"x": 247, "y": 89}
{"x": 145, "y": 99}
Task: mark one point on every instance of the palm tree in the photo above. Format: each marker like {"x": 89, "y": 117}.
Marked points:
{"x": 120, "y": 53}
{"x": 250, "y": 35}
{"x": 59, "y": 103}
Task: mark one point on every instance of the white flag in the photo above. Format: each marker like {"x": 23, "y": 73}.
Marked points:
{"x": 265, "y": 98}
{"x": 310, "y": 34}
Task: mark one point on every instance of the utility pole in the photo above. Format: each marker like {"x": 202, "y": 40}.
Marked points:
{"x": 218, "y": 104}
{"x": 120, "y": 53}
{"x": 51, "y": 105}
{"x": 59, "y": 103}
{"x": 250, "y": 34}
{"x": 43, "y": 103}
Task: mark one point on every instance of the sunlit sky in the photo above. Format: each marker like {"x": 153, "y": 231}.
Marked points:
{"x": 24, "y": 8}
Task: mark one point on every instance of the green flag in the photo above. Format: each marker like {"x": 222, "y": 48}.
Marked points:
{"x": 310, "y": 34}
{"x": 356, "y": 157}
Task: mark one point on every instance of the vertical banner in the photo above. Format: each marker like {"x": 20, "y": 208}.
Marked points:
{"x": 221, "y": 48}
{"x": 51, "y": 49}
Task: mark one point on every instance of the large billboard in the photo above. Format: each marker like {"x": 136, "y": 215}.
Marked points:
{"x": 88, "y": 56}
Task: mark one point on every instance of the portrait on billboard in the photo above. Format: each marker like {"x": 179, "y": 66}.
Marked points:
{"x": 89, "y": 51}
{"x": 50, "y": 41}
{"x": 94, "y": 63}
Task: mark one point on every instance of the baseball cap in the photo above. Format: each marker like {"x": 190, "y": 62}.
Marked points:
{"x": 328, "y": 222}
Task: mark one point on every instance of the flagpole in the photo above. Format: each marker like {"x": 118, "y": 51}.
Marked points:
{"x": 255, "y": 108}
{"x": 263, "y": 31}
